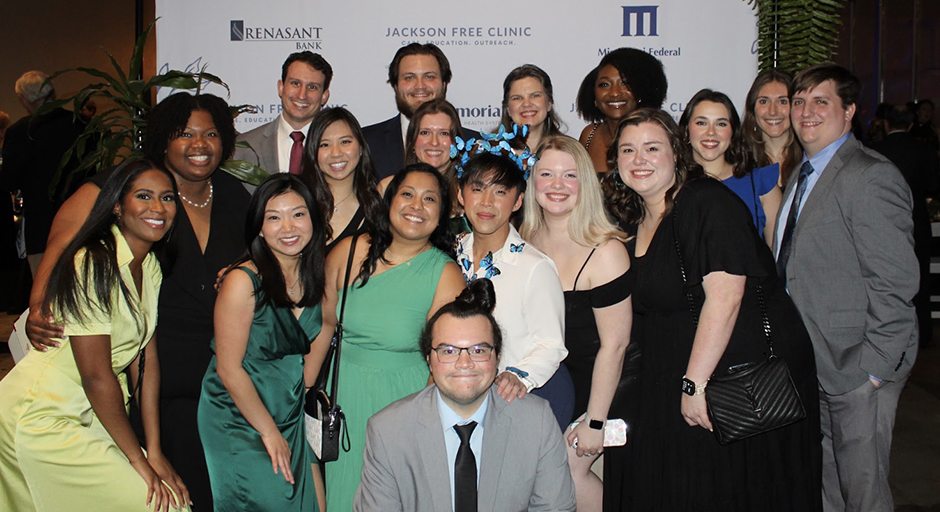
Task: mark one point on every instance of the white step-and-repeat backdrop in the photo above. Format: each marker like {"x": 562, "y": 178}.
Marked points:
{"x": 702, "y": 43}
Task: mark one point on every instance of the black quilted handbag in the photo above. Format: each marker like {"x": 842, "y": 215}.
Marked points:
{"x": 751, "y": 398}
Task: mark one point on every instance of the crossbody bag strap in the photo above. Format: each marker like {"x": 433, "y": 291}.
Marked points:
{"x": 337, "y": 340}
{"x": 765, "y": 321}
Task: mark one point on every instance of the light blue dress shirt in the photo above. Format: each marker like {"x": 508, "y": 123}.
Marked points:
{"x": 449, "y": 418}
{"x": 819, "y": 162}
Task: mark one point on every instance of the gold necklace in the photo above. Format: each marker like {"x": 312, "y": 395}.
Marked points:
{"x": 336, "y": 206}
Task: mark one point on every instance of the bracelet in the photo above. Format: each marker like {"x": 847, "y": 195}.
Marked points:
{"x": 517, "y": 371}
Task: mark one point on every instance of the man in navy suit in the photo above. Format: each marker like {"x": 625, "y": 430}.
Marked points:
{"x": 418, "y": 73}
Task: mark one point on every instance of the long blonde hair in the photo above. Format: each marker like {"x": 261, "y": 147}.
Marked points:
{"x": 589, "y": 223}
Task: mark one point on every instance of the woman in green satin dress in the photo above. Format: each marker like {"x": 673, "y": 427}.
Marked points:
{"x": 403, "y": 271}
{"x": 268, "y": 311}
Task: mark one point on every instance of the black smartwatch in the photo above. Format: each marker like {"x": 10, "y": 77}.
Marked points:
{"x": 596, "y": 424}
{"x": 690, "y": 388}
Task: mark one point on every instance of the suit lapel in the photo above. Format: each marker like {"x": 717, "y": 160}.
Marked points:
{"x": 429, "y": 438}
{"x": 269, "y": 149}
{"x": 495, "y": 437}
{"x": 820, "y": 192}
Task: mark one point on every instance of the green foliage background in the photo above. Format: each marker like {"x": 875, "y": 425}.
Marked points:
{"x": 794, "y": 34}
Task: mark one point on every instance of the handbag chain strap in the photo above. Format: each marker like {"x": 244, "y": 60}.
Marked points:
{"x": 337, "y": 341}
{"x": 765, "y": 321}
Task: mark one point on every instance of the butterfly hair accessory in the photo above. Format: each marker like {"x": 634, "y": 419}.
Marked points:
{"x": 495, "y": 144}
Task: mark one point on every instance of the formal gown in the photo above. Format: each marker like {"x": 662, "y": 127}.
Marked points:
{"x": 380, "y": 359}
{"x": 55, "y": 455}
{"x": 583, "y": 341}
{"x": 676, "y": 467}
{"x": 239, "y": 465}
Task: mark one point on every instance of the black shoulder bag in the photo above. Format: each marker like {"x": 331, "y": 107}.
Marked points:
{"x": 325, "y": 422}
{"x": 752, "y": 398}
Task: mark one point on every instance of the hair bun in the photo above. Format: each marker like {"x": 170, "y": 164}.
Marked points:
{"x": 478, "y": 295}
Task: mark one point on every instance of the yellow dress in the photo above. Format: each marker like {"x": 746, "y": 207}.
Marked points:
{"x": 54, "y": 452}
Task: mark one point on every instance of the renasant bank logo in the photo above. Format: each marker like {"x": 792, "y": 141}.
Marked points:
{"x": 304, "y": 38}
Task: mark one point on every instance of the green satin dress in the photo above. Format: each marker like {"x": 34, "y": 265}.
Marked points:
{"x": 239, "y": 466}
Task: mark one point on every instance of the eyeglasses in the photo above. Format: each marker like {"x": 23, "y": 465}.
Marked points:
{"x": 477, "y": 353}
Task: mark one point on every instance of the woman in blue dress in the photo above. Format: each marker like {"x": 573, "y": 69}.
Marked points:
{"x": 711, "y": 125}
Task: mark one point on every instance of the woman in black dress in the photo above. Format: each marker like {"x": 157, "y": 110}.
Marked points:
{"x": 565, "y": 219}
{"x": 191, "y": 136}
{"x": 662, "y": 197}
{"x": 338, "y": 168}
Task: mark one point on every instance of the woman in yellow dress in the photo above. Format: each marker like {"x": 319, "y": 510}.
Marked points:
{"x": 65, "y": 439}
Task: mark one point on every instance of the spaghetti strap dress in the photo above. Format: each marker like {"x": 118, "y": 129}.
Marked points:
{"x": 583, "y": 342}
{"x": 239, "y": 465}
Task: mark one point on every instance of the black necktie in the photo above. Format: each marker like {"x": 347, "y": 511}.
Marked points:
{"x": 787, "y": 240}
{"x": 465, "y": 471}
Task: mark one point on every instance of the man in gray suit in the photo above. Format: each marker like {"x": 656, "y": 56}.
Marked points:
{"x": 432, "y": 450}
{"x": 845, "y": 249}
{"x": 304, "y": 88}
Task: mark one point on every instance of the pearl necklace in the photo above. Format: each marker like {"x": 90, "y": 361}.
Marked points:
{"x": 194, "y": 205}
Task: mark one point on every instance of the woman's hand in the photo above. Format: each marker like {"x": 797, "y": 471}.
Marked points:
{"x": 166, "y": 472}
{"x": 40, "y": 329}
{"x": 695, "y": 411}
{"x": 590, "y": 441}
{"x": 157, "y": 493}
{"x": 509, "y": 386}
{"x": 279, "y": 452}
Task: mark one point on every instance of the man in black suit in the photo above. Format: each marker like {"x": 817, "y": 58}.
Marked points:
{"x": 919, "y": 166}
{"x": 32, "y": 150}
{"x": 418, "y": 73}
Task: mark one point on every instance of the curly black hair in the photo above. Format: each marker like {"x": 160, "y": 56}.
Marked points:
{"x": 168, "y": 119}
{"x": 643, "y": 74}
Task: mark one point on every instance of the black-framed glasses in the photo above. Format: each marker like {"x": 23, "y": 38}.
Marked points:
{"x": 477, "y": 353}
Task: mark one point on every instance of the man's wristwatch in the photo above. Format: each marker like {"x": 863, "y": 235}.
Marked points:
{"x": 596, "y": 424}
{"x": 692, "y": 389}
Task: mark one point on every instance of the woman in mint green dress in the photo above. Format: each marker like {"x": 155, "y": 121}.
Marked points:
{"x": 403, "y": 271}
{"x": 268, "y": 311}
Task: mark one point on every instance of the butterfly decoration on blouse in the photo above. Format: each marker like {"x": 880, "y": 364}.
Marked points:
{"x": 487, "y": 264}
{"x": 516, "y": 248}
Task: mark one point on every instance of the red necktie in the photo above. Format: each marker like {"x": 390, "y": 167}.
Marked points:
{"x": 296, "y": 152}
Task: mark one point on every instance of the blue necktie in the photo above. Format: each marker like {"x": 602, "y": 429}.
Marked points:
{"x": 787, "y": 240}
{"x": 465, "y": 471}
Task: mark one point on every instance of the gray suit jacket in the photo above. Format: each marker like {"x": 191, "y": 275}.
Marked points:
{"x": 263, "y": 141}
{"x": 852, "y": 272}
{"x": 524, "y": 463}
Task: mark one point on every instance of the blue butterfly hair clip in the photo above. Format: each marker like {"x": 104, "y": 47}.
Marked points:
{"x": 495, "y": 144}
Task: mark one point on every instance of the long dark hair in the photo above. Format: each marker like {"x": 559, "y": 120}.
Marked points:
{"x": 273, "y": 284}
{"x": 381, "y": 233}
{"x": 751, "y": 132}
{"x": 168, "y": 119}
{"x": 363, "y": 175}
{"x": 625, "y": 204}
{"x": 737, "y": 153}
{"x": 70, "y": 288}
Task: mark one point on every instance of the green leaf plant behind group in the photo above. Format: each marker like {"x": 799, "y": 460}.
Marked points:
{"x": 795, "y": 34}
{"x": 114, "y": 134}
